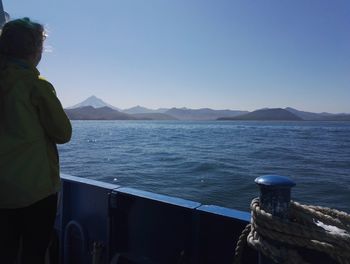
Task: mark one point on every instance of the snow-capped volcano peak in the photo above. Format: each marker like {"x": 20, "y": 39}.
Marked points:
{"x": 94, "y": 102}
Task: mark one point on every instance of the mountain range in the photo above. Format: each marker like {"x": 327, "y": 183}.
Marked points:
{"x": 94, "y": 108}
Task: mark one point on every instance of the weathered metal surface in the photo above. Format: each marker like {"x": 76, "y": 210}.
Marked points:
{"x": 275, "y": 194}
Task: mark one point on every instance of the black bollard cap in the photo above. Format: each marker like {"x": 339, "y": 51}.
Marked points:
{"x": 275, "y": 181}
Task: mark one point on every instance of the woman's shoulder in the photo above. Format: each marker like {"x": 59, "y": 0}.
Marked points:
{"x": 21, "y": 70}
{"x": 43, "y": 81}
{"x": 43, "y": 87}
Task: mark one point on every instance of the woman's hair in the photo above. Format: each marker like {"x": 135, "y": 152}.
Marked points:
{"x": 21, "y": 38}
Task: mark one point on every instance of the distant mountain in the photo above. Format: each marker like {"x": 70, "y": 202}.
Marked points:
{"x": 161, "y": 110}
{"x": 337, "y": 117}
{"x": 95, "y": 102}
{"x": 309, "y": 116}
{"x": 201, "y": 114}
{"x": 143, "y": 110}
{"x": 101, "y": 113}
{"x": 271, "y": 114}
{"x": 137, "y": 110}
{"x": 154, "y": 116}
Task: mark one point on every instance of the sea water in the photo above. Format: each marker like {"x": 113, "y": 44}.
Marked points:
{"x": 214, "y": 162}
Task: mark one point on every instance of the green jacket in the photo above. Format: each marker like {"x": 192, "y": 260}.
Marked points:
{"x": 32, "y": 122}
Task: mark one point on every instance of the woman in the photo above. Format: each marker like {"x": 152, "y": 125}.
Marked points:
{"x": 32, "y": 122}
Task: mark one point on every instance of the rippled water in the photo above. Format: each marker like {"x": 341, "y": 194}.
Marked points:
{"x": 214, "y": 162}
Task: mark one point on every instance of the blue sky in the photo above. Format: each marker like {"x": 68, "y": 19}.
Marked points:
{"x": 236, "y": 54}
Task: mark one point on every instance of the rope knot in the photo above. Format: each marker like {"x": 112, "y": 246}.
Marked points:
{"x": 313, "y": 227}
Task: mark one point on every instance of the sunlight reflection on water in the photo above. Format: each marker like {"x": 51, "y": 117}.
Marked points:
{"x": 214, "y": 162}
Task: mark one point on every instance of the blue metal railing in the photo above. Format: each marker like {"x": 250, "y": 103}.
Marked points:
{"x": 142, "y": 225}
{"x": 138, "y": 225}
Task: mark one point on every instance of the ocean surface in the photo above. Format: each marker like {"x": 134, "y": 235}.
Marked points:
{"x": 214, "y": 162}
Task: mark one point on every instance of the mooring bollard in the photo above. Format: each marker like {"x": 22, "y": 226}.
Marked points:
{"x": 275, "y": 192}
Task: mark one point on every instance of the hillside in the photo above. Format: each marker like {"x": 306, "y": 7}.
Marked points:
{"x": 154, "y": 116}
{"x": 309, "y": 116}
{"x": 272, "y": 114}
{"x": 142, "y": 110}
{"x": 337, "y": 117}
{"x": 102, "y": 113}
{"x": 201, "y": 114}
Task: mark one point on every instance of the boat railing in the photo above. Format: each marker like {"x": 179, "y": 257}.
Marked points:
{"x": 100, "y": 222}
{"x": 114, "y": 224}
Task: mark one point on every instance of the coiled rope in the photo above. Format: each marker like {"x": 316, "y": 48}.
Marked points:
{"x": 317, "y": 228}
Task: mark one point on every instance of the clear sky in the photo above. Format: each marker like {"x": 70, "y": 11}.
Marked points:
{"x": 236, "y": 54}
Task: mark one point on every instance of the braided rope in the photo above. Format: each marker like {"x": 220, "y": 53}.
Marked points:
{"x": 303, "y": 229}
{"x": 241, "y": 243}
